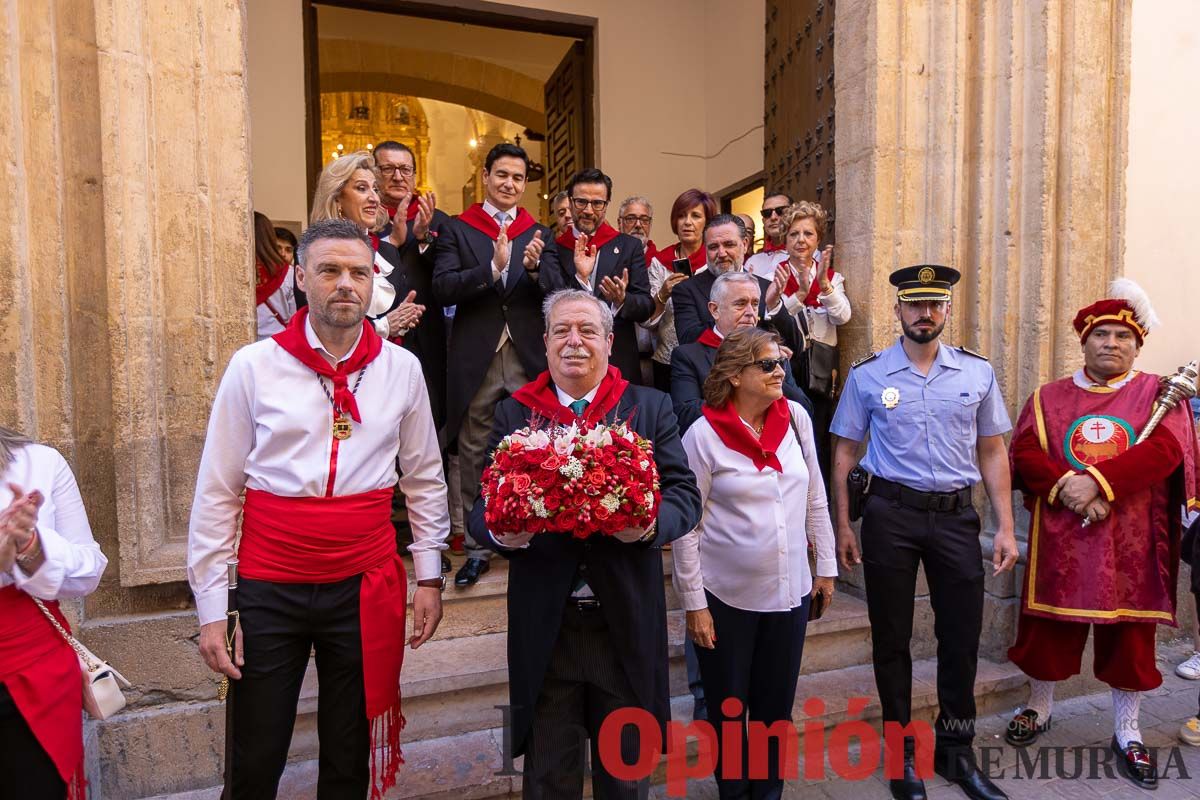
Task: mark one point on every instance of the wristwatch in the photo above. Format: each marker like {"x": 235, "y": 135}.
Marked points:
{"x": 438, "y": 583}
{"x": 429, "y": 238}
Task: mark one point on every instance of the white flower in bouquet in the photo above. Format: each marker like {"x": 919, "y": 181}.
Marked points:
{"x": 539, "y": 507}
{"x": 573, "y": 469}
{"x": 564, "y": 441}
{"x": 598, "y": 436}
{"x": 610, "y": 502}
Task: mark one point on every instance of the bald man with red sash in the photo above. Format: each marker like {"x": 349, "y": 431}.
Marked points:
{"x": 1074, "y": 456}
{"x": 310, "y": 425}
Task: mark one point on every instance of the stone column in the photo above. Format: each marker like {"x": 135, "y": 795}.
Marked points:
{"x": 126, "y": 239}
{"x": 990, "y": 136}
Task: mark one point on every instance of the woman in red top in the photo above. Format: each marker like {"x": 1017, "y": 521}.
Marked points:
{"x": 275, "y": 285}
{"x": 690, "y": 213}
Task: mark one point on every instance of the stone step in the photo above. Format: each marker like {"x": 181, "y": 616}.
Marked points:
{"x": 471, "y": 765}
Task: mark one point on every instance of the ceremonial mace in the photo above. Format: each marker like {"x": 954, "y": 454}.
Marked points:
{"x": 225, "y": 688}
{"x": 1180, "y": 386}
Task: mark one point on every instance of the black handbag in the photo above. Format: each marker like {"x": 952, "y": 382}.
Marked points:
{"x": 820, "y": 362}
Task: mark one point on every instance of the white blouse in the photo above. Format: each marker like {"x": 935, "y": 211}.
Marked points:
{"x": 74, "y": 562}
{"x": 283, "y": 300}
{"x": 270, "y": 430}
{"x": 750, "y": 548}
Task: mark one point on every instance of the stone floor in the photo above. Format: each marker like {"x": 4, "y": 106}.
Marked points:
{"x": 1082, "y": 722}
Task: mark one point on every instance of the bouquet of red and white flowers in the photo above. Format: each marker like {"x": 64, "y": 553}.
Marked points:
{"x": 575, "y": 479}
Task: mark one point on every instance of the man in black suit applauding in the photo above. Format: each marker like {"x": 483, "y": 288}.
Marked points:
{"x": 496, "y": 264}
{"x": 733, "y": 303}
{"x": 587, "y": 616}
{"x": 724, "y": 244}
{"x": 611, "y": 265}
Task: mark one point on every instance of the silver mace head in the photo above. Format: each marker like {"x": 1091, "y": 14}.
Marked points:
{"x": 1181, "y": 385}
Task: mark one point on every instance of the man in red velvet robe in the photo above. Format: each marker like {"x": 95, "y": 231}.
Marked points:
{"x": 1104, "y": 531}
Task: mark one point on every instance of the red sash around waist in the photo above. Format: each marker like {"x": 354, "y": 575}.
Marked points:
{"x": 41, "y": 672}
{"x": 328, "y": 539}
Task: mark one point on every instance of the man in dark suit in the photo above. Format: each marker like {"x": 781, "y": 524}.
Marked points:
{"x": 496, "y": 264}
{"x": 733, "y": 304}
{"x": 611, "y": 265}
{"x": 724, "y": 243}
{"x": 413, "y": 264}
{"x": 587, "y": 617}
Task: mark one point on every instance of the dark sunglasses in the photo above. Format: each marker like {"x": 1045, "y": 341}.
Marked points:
{"x": 767, "y": 213}
{"x": 768, "y": 365}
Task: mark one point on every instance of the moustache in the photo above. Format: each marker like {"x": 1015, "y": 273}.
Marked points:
{"x": 574, "y": 352}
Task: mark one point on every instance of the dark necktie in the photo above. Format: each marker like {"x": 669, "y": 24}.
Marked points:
{"x": 578, "y": 407}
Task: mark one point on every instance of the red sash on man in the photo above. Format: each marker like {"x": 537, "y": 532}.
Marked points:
{"x": 328, "y": 539}
{"x": 1121, "y": 569}
{"x": 41, "y": 672}
{"x": 603, "y": 235}
{"x": 481, "y": 221}
{"x": 539, "y": 395}
{"x": 736, "y": 435}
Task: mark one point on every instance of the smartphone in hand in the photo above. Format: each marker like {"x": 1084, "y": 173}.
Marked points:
{"x": 683, "y": 266}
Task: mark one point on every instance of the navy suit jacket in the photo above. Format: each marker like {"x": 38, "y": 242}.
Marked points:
{"x": 627, "y": 579}
{"x": 690, "y": 365}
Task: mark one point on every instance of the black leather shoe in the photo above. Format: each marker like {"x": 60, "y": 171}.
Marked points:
{"x": 446, "y": 565}
{"x": 1136, "y": 764}
{"x": 961, "y": 770}
{"x": 910, "y": 786}
{"x": 470, "y": 571}
{"x": 1024, "y": 728}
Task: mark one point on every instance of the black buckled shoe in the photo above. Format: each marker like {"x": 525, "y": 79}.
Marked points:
{"x": 961, "y": 770}
{"x": 909, "y": 786}
{"x": 1024, "y": 728}
{"x": 1136, "y": 764}
{"x": 470, "y": 571}
{"x": 446, "y": 565}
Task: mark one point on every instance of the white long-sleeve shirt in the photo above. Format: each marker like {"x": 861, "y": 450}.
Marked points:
{"x": 74, "y": 562}
{"x": 750, "y": 548}
{"x": 271, "y": 429}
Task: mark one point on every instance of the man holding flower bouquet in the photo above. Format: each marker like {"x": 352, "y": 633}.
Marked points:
{"x": 574, "y": 456}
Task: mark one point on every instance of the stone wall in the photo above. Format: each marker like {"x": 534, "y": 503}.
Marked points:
{"x": 127, "y": 252}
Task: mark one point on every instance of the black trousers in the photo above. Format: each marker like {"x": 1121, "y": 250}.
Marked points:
{"x": 895, "y": 539}
{"x": 281, "y": 625}
{"x": 27, "y": 770}
{"x": 757, "y": 661}
{"x": 584, "y": 684}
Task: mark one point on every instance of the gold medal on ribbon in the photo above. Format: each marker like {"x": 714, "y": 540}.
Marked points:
{"x": 890, "y": 397}
{"x": 341, "y": 427}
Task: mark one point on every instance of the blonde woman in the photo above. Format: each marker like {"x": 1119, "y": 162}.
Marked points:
{"x": 349, "y": 189}
{"x": 46, "y": 551}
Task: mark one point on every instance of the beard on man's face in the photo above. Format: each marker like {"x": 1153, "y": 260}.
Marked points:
{"x": 922, "y": 335}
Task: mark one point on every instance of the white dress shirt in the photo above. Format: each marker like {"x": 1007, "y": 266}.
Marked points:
{"x": 750, "y": 548}
{"x": 74, "y": 562}
{"x": 504, "y": 219}
{"x": 283, "y": 300}
{"x": 271, "y": 429}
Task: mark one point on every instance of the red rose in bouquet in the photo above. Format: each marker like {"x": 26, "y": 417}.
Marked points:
{"x": 577, "y": 479}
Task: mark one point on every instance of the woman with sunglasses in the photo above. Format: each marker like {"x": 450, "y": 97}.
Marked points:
{"x": 689, "y": 214}
{"x": 743, "y": 573}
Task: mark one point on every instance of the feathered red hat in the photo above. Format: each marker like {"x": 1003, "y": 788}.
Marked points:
{"x": 1127, "y": 304}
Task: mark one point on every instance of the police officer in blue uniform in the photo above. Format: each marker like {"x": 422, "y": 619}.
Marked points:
{"x": 937, "y": 423}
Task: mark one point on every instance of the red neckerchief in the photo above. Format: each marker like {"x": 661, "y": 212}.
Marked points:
{"x": 814, "y": 288}
{"x": 293, "y": 340}
{"x": 265, "y": 285}
{"x": 413, "y": 208}
{"x": 603, "y": 235}
{"x": 540, "y": 396}
{"x": 651, "y": 251}
{"x": 481, "y": 221}
{"x": 771, "y": 247}
{"x": 391, "y": 212}
{"x": 737, "y": 436}
{"x": 697, "y": 259}
{"x": 710, "y": 338}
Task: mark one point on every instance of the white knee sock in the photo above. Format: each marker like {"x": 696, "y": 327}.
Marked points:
{"x": 1041, "y": 698}
{"x": 1125, "y": 716}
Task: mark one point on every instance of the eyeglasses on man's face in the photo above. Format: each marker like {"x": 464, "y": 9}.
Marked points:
{"x": 635, "y": 219}
{"x": 580, "y": 203}
{"x": 388, "y": 170}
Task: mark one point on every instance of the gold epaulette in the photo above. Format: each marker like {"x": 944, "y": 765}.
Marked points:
{"x": 971, "y": 352}
{"x": 865, "y": 359}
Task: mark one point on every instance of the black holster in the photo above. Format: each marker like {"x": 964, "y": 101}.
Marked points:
{"x": 858, "y": 484}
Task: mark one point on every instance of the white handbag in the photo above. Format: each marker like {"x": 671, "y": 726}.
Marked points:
{"x": 102, "y": 695}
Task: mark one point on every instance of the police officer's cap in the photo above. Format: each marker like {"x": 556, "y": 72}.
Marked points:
{"x": 924, "y": 282}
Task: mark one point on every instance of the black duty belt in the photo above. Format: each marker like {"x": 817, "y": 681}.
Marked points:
{"x": 922, "y": 501}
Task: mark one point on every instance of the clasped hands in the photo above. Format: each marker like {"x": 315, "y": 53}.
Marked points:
{"x": 515, "y": 541}
{"x": 1081, "y": 493}
{"x": 405, "y": 316}
{"x": 502, "y": 251}
{"x": 426, "y": 204}
{"x": 18, "y": 524}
